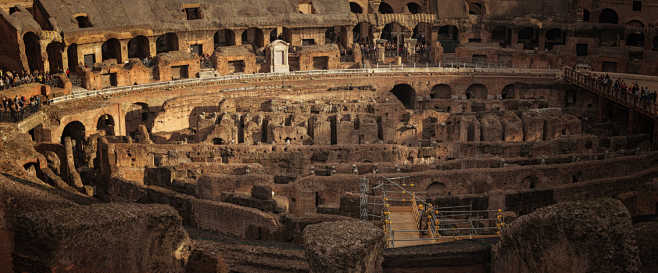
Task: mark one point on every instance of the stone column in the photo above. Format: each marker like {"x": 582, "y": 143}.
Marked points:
{"x": 238, "y": 36}
{"x": 542, "y": 40}
{"x": 153, "y": 48}
{"x": 45, "y": 63}
{"x": 123, "y": 56}
{"x": 65, "y": 59}
{"x": 266, "y": 37}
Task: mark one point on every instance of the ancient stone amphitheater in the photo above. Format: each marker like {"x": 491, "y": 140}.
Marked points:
{"x": 329, "y": 136}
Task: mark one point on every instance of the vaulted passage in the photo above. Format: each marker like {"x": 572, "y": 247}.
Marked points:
{"x": 33, "y": 51}
{"x": 138, "y": 47}
{"x": 106, "y": 124}
{"x": 166, "y": 43}
{"x": 477, "y": 91}
{"x": 406, "y": 94}
{"x": 111, "y": 49}
{"x": 441, "y": 91}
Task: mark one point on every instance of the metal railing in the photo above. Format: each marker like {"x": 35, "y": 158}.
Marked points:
{"x": 618, "y": 95}
{"x": 441, "y": 68}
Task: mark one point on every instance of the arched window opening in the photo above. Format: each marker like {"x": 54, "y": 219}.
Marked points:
{"x": 106, "y": 124}
{"x": 111, "y": 49}
{"x": 502, "y": 35}
{"x": 509, "y": 92}
{"x": 83, "y": 22}
{"x": 138, "y": 47}
{"x": 385, "y": 8}
{"x": 405, "y": 94}
{"x": 72, "y": 53}
{"x": 253, "y": 36}
{"x": 33, "y": 51}
{"x": 477, "y": 91}
{"x": 76, "y": 131}
{"x": 355, "y": 8}
{"x": 224, "y": 37}
{"x": 414, "y": 8}
{"x": 392, "y": 31}
{"x": 218, "y": 141}
{"x": 608, "y": 16}
{"x": 55, "y": 51}
{"x": 441, "y": 91}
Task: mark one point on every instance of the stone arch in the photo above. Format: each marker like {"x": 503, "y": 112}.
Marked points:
{"x": 406, "y": 94}
{"x": 635, "y": 39}
{"x": 72, "y": 53}
{"x": 422, "y": 32}
{"x": 362, "y": 32}
{"x": 166, "y": 42}
{"x": 106, "y": 123}
{"x": 436, "y": 188}
{"x": 33, "y": 51}
{"x": 55, "y": 50}
{"x": 477, "y": 91}
{"x": 414, "y": 8}
{"x": 608, "y": 16}
{"x": 356, "y": 8}
{"x": 441, "y": 91}
{"x": 253, "y": 36}
{"x": 385, "y": 8}
{"x": 138, "y": 47}
{"x": 111, "y": 49}
{"x": 509, "y": 92}
{"x": 75, "y": 130}
{"x": 224, "y": 37}
{"x": 390, "y": 28}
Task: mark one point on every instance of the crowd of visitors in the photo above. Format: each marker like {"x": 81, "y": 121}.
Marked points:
{"x": 16, "y": 109}
{"x": 633, "y": 93}
{"x": 11, "y": 79}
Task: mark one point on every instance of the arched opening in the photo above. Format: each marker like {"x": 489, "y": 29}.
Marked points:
{"x": 509, "y": 92}
{"x": 83, "y": 22}
{"x": 608, "y": 16}
{"x": 224, "y": 37}
{"x": 355, "y": 8}
{"x": 502, "y": 35}
{"x": 167, "y": 42}
{"x": 362, "y": 33}
{"x": 55, "y": 51}
{"x": 436, "y": 188}
{"x": 529, "y": 36}
{"x": 585, "y": 15}
{"x": 477, "y": 91}
{"x": 530, "y": 182}
{"x": 218, "y": 141}
{"x": 33, "y": 51}
{"x": 391, "y": 32}
{"x": 441, "y": 91}
{"x": 273, "y": 35}
{"x": 405, "y": 94}
{"x": 111, "y": 49}
{"x": 72, "y": 53}
{"x": 554, "y": 37}
{"x": 422, "y": 32}
{"x": 76, "y": 131}
{"x": 385, "y": 8}
{"x": 475, "y": 9}
{"x": 106, "y": 123}
{"x": 138, "y": 47}
{"x": 635, "y": 39}
{"x": 253, "y": 36}
{"x": 31, "y": 168}
{"x": 414, "y": 8}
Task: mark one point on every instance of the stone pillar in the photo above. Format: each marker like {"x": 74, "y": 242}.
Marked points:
{"x": 514, "y": 39}
{"x": 45, "y": 63}
{"x": 238, "y": 36}
{"x": 344, "y": 247}
{"x": 266, "y": 37}
{"x": 348, "y": 37}
{"x": 73, "y": 175}
{"x": 153, "y": 48}
{"x": 123, "y": 56}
